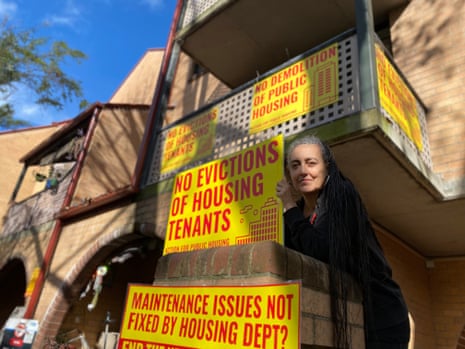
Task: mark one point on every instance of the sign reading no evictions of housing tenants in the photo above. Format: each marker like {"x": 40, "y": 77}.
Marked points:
{"x": 397, "y": 99}
{"x": 205, "y": 317}
{"x": 190, "y": 141}
{"x": 229, "y": 201}
{"x": 306, "y": 85}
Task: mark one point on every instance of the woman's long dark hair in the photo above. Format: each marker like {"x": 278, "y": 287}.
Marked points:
{"x": 349, "y": 228}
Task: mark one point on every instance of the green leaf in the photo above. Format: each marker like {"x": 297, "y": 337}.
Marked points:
{"x": 38, "y": 64}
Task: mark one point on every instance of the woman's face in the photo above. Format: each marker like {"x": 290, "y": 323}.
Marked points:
{"x": 307, "y": 168}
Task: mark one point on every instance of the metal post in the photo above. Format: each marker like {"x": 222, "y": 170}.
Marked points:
{"x": 107, "y": 324}
{"x": 369, "y": 96}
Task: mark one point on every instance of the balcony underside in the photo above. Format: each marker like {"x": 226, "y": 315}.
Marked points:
{"x": 236, "y": 40}
{"x": 399, "y": 197}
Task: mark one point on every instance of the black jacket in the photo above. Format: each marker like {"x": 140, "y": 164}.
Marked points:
{"x": 309, "y": 235}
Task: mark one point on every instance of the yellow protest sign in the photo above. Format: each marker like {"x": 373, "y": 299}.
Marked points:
{"x": 397, "y": 99}
{"x": 203, "y": 317}
{"x": 189, "y": 141}
{"x": 306, "y": 85}
{"x": 228, "y": 201}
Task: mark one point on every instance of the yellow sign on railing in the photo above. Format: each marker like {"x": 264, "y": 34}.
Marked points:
{"x": 306, "y": 85}
{"x": 203, "y": 317}
{"x": 190, "y": 141}
{"x": 229, "y": 201}
{"x": 397, "y": 99}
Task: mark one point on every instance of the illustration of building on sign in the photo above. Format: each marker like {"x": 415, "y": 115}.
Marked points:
{"x": 325, "y": 88}
{"x": 266, "y": 226}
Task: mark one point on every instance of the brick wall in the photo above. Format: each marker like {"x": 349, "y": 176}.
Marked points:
{"x": 36, "y": 210}
{"x": 266, "y": 263}
{"x": 27, "y": 245}
{"x": 190, "y": 93}
{"x": 112, "y": 153}
{"x": 153, "y": 211}
{"x": 82, "y": 245}
{"x": 428, "y": 44}
{"x": 447, "y": 282}
{"x": 13, "y": 146}
{"x": 434, "y": 291}
{"x": 409, "y": 270}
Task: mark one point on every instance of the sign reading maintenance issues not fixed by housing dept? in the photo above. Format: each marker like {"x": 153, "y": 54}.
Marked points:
{"x": 207, "y": 317}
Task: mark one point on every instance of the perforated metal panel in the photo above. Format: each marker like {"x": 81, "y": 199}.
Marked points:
{"x": 195, "y": 8}
{"x": 232, "y": 133}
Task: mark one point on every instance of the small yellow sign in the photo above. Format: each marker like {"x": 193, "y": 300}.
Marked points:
{"x": 189, "y": 141}
{"x": 229, "y": 201}
{"x": 32, "y": 282}
{"x": 203, "y": 317}
{"x": 397, "y": 99}
{"x": 306, "y": 85}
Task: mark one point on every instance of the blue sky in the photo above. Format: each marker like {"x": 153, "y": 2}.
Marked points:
{"x": 114, "y": 34}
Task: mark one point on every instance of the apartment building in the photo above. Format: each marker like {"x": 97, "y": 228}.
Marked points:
{"x": 385, "y": 94}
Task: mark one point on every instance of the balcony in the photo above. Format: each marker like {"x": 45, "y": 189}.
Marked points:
{"x": 238, "y": 39}
{"x": 83, "y": 166}
{"x": 37, "y": 210}
{"x": 384, "y": 150}
{"x": 47, "y": 175}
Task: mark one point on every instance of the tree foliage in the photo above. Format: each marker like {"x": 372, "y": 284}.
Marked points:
{"x": 35, "y": 63}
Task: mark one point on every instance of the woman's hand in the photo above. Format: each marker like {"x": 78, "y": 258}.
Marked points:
{"x": 285, "y": 192}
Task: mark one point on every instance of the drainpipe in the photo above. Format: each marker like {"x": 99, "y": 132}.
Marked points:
{"x": 369, "y": 97}
{"x": 155, "y": 109}
{"x": 52, "y": 244}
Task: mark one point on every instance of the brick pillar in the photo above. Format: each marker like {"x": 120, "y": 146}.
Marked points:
{"x": 264, "y": 263}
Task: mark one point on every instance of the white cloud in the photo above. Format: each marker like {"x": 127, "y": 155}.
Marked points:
{"x": 28, "y": 111}
{"x": 7, "y": 8}
{"x": 69, "y": 15}
{"x": 153, "y": 4}
{"x": 23, "y": 101}
{"x": 60, "y": 20}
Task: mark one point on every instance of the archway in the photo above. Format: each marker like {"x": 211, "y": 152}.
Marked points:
{"x": 129, "y": 259}
{"x": 12, "y": 287}
{"x": 134, "y": 263}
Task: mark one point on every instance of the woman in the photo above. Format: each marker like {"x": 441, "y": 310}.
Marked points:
{"x": 329, "y": 222}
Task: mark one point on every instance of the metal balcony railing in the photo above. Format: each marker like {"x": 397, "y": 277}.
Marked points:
{"x": 235, "y": 111}
{"x": 36, "y": 210}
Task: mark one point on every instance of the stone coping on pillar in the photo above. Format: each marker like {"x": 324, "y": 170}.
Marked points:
{"x": 258, "y": 262}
